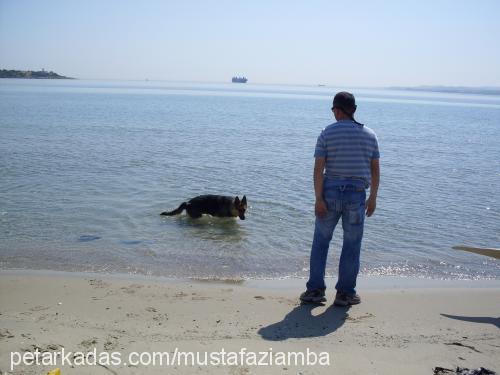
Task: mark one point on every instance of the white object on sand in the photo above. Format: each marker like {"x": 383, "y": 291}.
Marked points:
{"x": 494, "y": 253}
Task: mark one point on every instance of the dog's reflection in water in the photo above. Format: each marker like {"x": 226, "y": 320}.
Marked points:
{"x": 212, "y": 228}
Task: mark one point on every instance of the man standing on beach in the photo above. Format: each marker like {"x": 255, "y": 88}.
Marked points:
{"x": 347, "y": 163}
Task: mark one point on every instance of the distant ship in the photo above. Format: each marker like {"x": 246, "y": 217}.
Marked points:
{"x": 239, "y": 80}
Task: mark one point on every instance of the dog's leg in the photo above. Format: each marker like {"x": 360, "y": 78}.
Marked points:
{"x": 193, "y": 213}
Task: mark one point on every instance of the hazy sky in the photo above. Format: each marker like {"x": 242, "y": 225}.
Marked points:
{"x": 347, "y": 43}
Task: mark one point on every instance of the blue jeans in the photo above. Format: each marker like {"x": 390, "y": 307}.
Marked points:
{"x": 349, "y": 204}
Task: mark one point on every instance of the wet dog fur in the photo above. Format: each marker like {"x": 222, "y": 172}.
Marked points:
{"x": 214, "y": 205}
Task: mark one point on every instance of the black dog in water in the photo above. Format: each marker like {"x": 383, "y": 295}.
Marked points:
{"x": 215, "y": 205}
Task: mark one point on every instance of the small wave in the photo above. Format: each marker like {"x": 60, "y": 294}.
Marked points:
{"x": 216, "y": 279}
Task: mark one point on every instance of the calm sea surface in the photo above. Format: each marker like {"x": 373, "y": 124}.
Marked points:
{"x": 87, "y": 166}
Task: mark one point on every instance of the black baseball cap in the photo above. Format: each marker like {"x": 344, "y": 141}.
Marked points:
{"x": 345, "y": 101}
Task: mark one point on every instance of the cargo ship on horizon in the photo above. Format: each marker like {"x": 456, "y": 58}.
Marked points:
{"x": 239, "y": 80}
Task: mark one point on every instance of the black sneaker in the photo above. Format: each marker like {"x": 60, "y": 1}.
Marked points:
{"x": 313, "y": 296}
{"x": 342, "y": 299}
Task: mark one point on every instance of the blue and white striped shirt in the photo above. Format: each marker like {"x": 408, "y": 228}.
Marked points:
{"x": 348, "y": 148}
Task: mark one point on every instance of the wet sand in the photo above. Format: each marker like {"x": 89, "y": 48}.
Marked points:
{"x": 396, "y": 330}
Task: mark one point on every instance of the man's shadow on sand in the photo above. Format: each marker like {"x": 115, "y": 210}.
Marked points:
{"x": 301, "y": 323}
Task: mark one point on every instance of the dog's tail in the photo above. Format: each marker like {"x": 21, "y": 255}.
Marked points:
{"x": 177, "y": 211}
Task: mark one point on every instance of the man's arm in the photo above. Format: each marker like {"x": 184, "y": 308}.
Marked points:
{"x": 320, "y": 205}
{"x": 371, "y": 203}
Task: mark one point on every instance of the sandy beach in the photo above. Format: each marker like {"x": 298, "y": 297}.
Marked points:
{"x": 398, "y": 329}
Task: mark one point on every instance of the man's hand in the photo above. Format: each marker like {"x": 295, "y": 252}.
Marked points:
{"x": 371, "y": 204}
{"x": 320, "y": 208}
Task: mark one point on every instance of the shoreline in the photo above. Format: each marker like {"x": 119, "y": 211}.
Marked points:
{"x": 399, "y": 328}
{"x": 285, "y": 283}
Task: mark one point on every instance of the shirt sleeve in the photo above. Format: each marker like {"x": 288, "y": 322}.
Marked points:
{"x": 320, "y": 150}
{"x": 375, "y": 152}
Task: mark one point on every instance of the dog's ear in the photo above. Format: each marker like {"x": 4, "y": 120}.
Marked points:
{"x": 244, "y": 200}
{"x": 236, "y": 202}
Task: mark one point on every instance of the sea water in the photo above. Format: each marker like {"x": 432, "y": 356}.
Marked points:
{"x": 86, "y": 167}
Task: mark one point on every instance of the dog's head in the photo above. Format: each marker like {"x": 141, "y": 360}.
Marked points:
{"x": 241, "y": 206}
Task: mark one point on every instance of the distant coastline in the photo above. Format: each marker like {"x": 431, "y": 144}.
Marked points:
{"x": 453, "y": 89}
{"x": 31, "y": 74}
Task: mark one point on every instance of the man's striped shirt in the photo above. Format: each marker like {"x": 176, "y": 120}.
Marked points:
{"x": 348, "y": 148}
